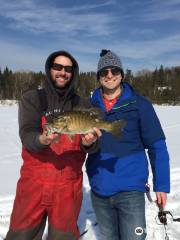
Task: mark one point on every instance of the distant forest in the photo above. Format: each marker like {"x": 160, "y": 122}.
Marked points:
{"x": 161, "y": 86}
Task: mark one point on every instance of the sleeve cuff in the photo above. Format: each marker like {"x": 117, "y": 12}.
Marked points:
{"x": 90, "y": 149}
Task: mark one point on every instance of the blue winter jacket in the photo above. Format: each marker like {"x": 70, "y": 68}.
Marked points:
{"x": 122, "y": 164}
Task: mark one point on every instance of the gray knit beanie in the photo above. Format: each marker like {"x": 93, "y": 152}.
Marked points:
{"x": 109, "y": 59}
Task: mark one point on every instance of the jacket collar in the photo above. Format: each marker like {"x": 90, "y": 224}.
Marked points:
{"x": 127, "y": 97}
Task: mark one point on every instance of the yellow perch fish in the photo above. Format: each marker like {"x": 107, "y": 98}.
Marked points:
{"x": 82, "y": 122}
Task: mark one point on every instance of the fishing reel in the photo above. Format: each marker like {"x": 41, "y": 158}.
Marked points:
{"x": 161, "y": 218}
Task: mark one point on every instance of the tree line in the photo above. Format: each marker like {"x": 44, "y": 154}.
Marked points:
{"x": 161, "y": 86}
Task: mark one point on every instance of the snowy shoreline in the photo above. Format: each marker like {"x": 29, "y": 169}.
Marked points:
{"x": 10, "y": 162}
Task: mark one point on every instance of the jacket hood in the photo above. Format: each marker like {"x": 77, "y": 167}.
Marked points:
{"x": 50, "y": 87}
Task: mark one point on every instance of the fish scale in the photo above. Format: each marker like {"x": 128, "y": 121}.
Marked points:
{"x": 82, "y": 122}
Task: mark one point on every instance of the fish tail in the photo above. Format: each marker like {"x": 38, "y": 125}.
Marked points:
{"x": 116, "y": 128}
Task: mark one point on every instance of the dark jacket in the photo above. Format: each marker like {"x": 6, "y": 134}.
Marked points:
{"x": 30, "y": 109}
{"x": 51, "y": 176}
{"x": 122, "y": 164}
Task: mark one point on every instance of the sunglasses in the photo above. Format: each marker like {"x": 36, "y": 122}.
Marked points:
{"x": 114, "y": 71}
{"x": 59, "y": 67}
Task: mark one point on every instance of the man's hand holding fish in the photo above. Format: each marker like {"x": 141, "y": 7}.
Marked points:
{"x": 91, "y": 137}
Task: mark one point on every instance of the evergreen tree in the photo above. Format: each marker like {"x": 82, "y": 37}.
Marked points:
{"x": 129, "y": 77}
{"x": 160, "y": 86}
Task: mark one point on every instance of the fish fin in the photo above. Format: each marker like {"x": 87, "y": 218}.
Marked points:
{"x": 97, "y": 112}
{"x": 72, "y": 137}
{"x": 92, "y": 110}
{"x": 116, "y": 128}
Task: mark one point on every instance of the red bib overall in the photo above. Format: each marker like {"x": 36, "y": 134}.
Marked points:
{"x": 51, "y": 185}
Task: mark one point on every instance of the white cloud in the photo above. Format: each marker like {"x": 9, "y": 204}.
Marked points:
{"x": 85, "y": 31}
{"x": 19, "y": 57}
{"x": 94, "y": 6}
{"x": 132, "y": 49}
{"x": 22, "y": 57}
{"x": 137, "y": 55}
{"x": 161, "y": 10}
{"x": 27, "y": 16}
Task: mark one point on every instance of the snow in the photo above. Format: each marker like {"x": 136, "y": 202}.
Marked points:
{"x": 10, "y": 162}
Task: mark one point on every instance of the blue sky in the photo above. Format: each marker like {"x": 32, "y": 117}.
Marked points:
{"x": 145, "y": 34}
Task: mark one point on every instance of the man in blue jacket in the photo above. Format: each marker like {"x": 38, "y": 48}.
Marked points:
{"x": 118, "y": 171}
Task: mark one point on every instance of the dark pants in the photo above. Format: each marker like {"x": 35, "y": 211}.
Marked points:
{"x": 122, "y": 216}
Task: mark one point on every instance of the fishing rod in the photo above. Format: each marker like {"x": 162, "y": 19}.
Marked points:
{"x": 86, "y": 230}
{"x": 161, "y": 218}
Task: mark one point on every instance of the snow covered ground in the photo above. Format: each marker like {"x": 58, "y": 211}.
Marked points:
{"x": 10, "y": 162}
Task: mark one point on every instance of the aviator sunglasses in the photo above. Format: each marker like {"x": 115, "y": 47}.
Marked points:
{"x": 59, "y": 67}
{"x": 115, "y": 71}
